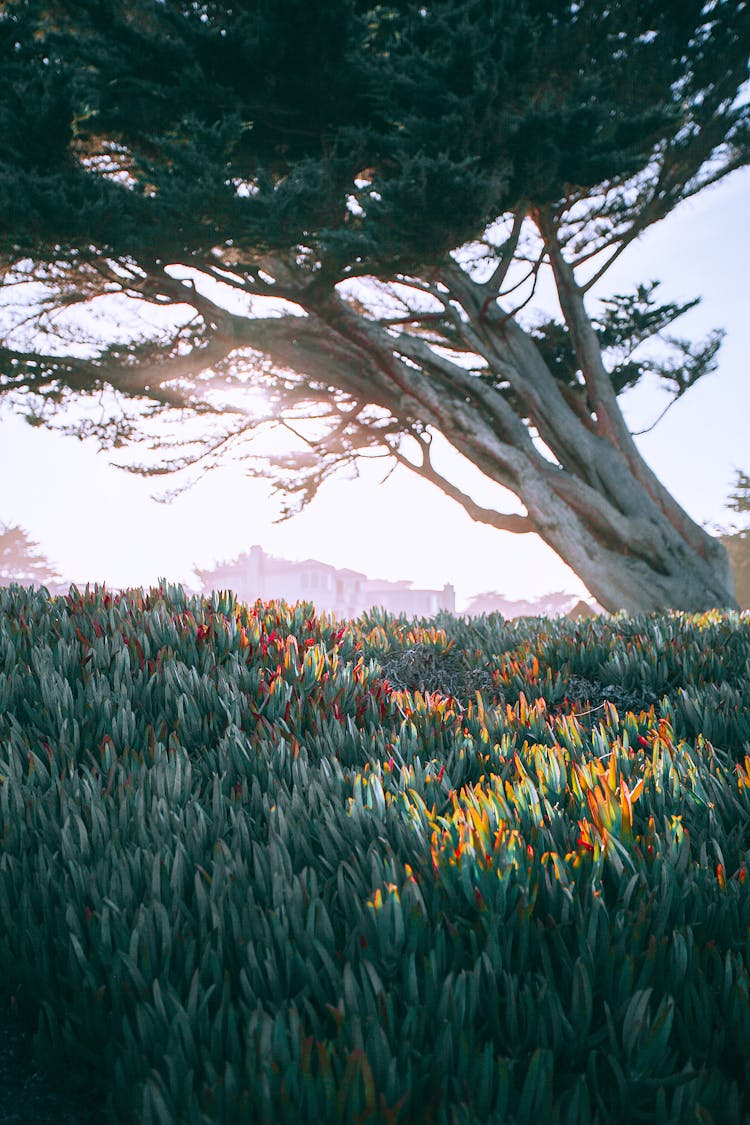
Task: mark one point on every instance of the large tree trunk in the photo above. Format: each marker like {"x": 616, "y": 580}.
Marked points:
{"x": 600, "y": 507}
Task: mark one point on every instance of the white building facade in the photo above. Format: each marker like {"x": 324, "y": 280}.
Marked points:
{"x": 347, "y": 593}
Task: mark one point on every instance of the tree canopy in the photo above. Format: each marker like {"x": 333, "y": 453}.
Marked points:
{"x": 737, "y": 540}
{"x": 349, "y": 205}
{"x": 21, "y": 560}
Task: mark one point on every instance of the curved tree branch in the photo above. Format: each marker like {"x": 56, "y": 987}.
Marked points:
{"x": 503, "y": 521}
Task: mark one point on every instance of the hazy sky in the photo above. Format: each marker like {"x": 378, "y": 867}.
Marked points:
{"x": 98, "y": 523}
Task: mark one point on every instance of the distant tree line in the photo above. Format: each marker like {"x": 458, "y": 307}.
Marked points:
{"x": 22, "y": 561}
{"x": 737, "y": 542}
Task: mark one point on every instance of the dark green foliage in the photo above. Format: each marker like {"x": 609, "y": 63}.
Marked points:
{"x": 186, "y": 103}
{"x": 251, "y": 884}
{"x": 454, "y": 112}
{"x": 421, "y": 668}
{"x": 28, "y": 1097}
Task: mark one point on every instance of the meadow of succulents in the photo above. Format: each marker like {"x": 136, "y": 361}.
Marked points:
{"x": 259, "y": 865}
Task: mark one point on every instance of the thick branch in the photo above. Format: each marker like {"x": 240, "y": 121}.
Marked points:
{"x": 603, "y": 400}
{"x": 506, "y": 423}
{"x": 494, "y": 283}
{"x": 610, "y": 422}
{"x": 409, "y": 392}
{"x": 503, "y": 521}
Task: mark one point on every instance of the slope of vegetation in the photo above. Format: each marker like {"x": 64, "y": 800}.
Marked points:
{"x": 246, "y": 877}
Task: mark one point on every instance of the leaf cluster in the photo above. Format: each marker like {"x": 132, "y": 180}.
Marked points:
{"x": 376, "y": 134}
{"x": 624, "y": 323}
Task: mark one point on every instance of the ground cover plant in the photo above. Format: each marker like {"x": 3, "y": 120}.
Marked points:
{"x": 245, "y": 876}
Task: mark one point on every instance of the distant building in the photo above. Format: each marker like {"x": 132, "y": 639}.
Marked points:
{"x": 347, "y": 593}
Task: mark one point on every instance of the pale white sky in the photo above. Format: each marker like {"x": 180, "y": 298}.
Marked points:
{"x": 97, "y": 523}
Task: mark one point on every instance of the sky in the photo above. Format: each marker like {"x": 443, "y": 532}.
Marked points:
{"x": 97, "y": 523}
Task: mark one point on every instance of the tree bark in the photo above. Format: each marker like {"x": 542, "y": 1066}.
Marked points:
{"x": 597, "y": 508}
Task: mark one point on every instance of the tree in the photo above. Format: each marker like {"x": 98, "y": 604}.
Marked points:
{"x": 548, "y": 605}
{"x": 348, "y": 206}
{"x": 21, "y": 561}
{"x": 737, "y": 541}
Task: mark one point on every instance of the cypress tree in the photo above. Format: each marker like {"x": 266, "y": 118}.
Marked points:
{"x": 397, "y": 176}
